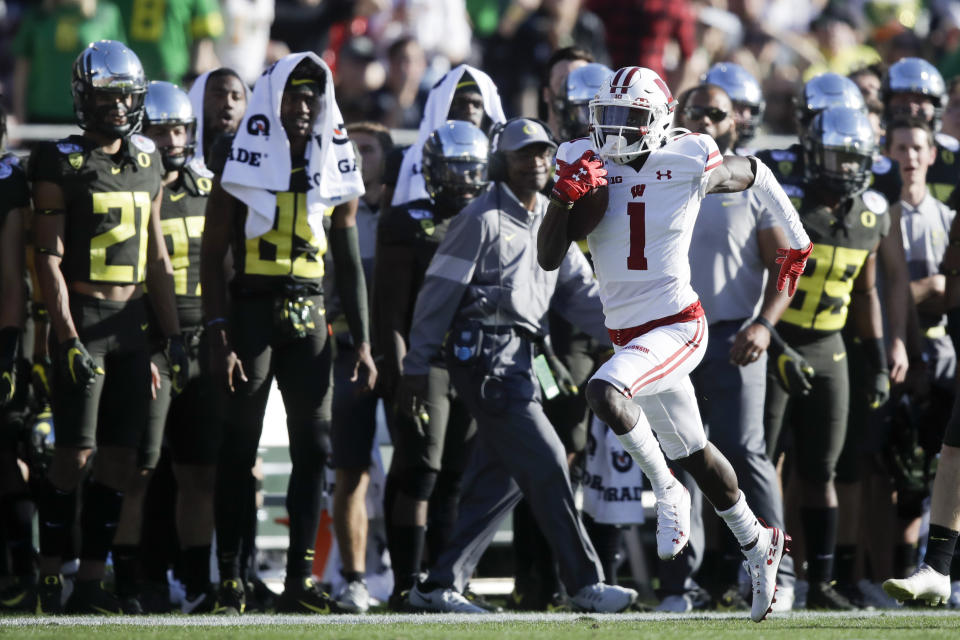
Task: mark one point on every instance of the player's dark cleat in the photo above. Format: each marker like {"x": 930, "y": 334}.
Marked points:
{"x": 130, "y": 605}
{"x": 231, "y": 600}
{"x": 259, "y": 596}
{"x": 305, "y": 596}
{"x": 50, "y": 595}
{"x": 89, "y": 597}
{"x": 732, "y": 600}
{"x": 21, "y": 595}
{"x": 154, "y": 597}
{"x": 198, "y": 603}
{"x": 822, "y": 596}
{"x": 399, "y": 602}
{"x": 480, "y": 601}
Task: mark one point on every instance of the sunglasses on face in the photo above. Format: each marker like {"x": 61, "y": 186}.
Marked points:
{"x": 697, "y": 113}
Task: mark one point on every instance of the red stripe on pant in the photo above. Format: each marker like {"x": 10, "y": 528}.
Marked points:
{"x": 688, "y": 349}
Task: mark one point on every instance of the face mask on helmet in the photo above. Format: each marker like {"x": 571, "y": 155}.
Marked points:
{"x": 919, "y": 79}
{"x": 839, "y": 149}
{"x": 455, "y": 162}
{"x": 574, "y": 120}
{"x": 103, "y": 76}
{"x": 174, "y": 158}
{"x": 167, "y": 105}
{"x": 451, "y": 183}
{"x": 630, "y": 115}
{"x": 573, "y": 105}
{"x": 744, "y": 92}
{"x": 619, "y": 130}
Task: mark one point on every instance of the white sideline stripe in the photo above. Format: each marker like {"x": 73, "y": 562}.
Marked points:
{"x": 433, "y": 618}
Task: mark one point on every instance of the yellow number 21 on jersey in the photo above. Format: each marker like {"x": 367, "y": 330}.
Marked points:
{"x": 129, "y": 204}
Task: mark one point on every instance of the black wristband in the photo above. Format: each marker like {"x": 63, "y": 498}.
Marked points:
{"x": 774, "y": 336}
{"x": 875, "y": 353}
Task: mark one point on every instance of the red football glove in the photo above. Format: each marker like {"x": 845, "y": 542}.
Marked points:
{"x": 578, "y": 178}
{"x": 792, "y": 262}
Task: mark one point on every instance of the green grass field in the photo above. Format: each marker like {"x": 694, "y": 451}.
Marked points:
{"x": 795, "y": 626}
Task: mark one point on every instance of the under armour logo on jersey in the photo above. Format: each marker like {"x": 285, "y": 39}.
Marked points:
{"x": 636, "y": 191}
{"x": 664, "y": 174}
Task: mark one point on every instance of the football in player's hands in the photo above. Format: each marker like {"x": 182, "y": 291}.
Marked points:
{"x": 587, "y": 213}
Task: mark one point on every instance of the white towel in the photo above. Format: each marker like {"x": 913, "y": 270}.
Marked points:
{"x": 197, "y": 92}
{"x": 259, "y": 164}
{"x": 612, "y": 481}
{"x": 410, "y": 184}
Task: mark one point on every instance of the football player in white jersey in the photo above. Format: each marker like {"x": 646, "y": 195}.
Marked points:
{"x": 656, "y": 179}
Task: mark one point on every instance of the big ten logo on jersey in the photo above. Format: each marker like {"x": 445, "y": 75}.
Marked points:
{"x": 636, "y": 191}
{"x": 615, "y": 180}
{"x": 258, "y": 125}
{"x": 244, "y": 156}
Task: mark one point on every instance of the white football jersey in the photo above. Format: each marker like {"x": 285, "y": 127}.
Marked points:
{"x": 640, "y": 247}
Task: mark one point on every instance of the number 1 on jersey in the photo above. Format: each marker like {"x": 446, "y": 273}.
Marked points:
{"x": 638, "y": 236}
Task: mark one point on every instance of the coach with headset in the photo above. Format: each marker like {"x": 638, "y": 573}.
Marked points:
{"x": 488, "y": 263}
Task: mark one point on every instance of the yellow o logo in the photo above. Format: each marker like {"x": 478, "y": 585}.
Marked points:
{"x": 143, "y": 159}
{"x": 204, "y": 184}
{"x": 868, "y": 219}
{"x": 947, "y": 156}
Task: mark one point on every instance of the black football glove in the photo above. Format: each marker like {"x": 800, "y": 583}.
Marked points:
{"x": 878, "y": 391}
{"x": 79, "y": 367}
{"x": 9, "y": 346}
{"x": 794, "y": 373}
{"x": 40, "y": 377}
{"x": 877, "y": 380}
{"x": 179, "y": 362}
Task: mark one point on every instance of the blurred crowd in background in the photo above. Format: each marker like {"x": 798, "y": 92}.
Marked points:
{"x": 388, "y": 53}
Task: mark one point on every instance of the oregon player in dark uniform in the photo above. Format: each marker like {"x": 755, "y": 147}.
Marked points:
{"x": 189, "y": 413}
{"x": 846, "y": 225}
{"x": 16, "y": 504}
{"x": 430, "y": 450}
{"x": 97, "y": 199}
{"x": 277, "y": 327}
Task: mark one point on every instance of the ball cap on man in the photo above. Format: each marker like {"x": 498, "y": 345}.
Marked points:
{"x": 521, "y": 133}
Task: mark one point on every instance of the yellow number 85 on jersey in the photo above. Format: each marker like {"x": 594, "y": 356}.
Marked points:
{"x": 823, "y": 292}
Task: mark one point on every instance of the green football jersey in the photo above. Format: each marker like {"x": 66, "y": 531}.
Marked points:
{"x": 50, "y": 42}
{"x": 162, "y": 33}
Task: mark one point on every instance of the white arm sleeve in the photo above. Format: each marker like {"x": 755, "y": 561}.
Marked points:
{"x": 774, "y": 200}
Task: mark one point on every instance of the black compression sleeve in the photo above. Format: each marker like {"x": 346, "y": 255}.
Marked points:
{"x": 351, "y": 285}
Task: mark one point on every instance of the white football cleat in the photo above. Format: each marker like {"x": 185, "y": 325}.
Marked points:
{"x": 675, "y": 604}
{"x": 925, "y": 584}
{"x": 763, "y": 562}
{"x": 442, "y": 601}
{"x": 603, "y": 598}
{"x": 354, "y": 597}
{"x": 673, "y": 523}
